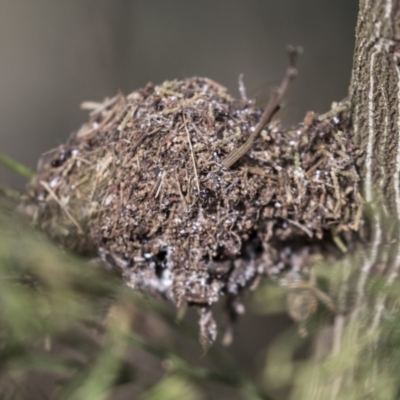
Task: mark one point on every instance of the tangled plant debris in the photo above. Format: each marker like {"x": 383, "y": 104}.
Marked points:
{"x": 143, "y": 184}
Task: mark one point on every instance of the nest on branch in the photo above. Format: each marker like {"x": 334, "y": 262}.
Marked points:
{"x": 142, "y": 184}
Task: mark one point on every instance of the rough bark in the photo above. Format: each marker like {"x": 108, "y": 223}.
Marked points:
{"x": 362, "y": 309}
{"x": 375, "y": 98}
{"x": 375, "y": 104}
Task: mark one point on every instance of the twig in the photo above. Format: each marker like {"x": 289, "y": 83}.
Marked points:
{"x": 242, "y": 88}
{"x": 339, "y": 242}
{"x": 336, "y": 109}
{"x": 192, "y": 154}
{"x": 315, "y": 166}
{"x": 181, "y": 193}
{"x": 16, "y": 166}
{"x": 97, "y": 108}
{"x": 336, "y": 189}
{"x": 301, "y": 227}
{"x": 160, "y": 185}
{"x": 272, "y": 107}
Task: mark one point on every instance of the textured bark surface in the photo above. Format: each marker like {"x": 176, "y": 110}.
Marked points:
{"x": 363, "y": 310}
{"x": 375, "y": 102}
{"x": 375, "y": 97}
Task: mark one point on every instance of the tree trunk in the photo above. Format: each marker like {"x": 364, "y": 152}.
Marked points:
{"x": 361, "y": 333}
{"x": 375, "y": 98}
{"x": 375, "y": 112}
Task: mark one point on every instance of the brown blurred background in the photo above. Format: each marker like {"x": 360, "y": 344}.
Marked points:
{"x": 54, "y": 55}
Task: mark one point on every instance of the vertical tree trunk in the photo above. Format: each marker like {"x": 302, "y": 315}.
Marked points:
{"x": 358, "y": 333}
{"x": 375, "y": 98}
{"x": 375, "y": 102}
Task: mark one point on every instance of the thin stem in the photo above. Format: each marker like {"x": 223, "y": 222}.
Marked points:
{"x": 272, "y": 107}
{"x": 15, "y": 166}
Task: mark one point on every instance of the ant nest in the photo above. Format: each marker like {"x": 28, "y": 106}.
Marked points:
{"x": 142, "y": 185}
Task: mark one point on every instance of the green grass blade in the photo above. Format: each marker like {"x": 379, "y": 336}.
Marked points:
{"x": 15, "y": 166}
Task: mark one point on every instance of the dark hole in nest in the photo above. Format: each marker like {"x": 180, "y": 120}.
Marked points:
{"x": 221, "y": 253}
{"x": 60, "y": 160}
{"x": 208, "y": 200}
{"x": 139, "y": 235}
{"x": 160, "y": 262}
{"x": 166, "y": 210}
{"x": 251, "y": 248}
{"x": 220, "y": 271}
{"x": 220, "y": 134}
{"x": 220, "y": 116}
{"x": 158, "y": 106}
{"x": 240, "y": 206}
{"x": 177, "y": 118}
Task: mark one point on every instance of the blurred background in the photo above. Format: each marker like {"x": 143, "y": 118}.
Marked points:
{"x": 54, "y": 55}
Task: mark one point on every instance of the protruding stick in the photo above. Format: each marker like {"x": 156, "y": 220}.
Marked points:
{"x": 272, "y": 107}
